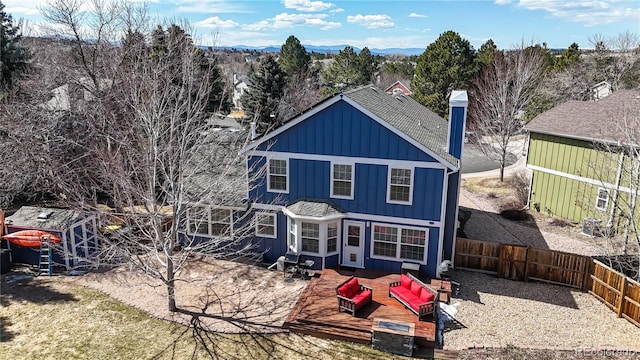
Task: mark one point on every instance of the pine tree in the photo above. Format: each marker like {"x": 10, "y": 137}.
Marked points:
{"x": 343, "y": 73}
{"x": 445, "y": 65}
{"x": 14, "y": 59}
{"x": 367, "y": 66}
{"x": 294, "y": 59}
{"x": 266, "y": 87}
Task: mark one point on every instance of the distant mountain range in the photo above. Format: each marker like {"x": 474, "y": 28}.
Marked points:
{"x": 330, "y": 49}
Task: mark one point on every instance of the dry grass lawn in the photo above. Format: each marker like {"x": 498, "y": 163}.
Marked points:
{"x": 45, "y": 318}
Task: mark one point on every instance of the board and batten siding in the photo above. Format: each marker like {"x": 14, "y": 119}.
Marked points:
{"x": 312, "y": 179}
{"x": 342, "y": 130}
{"x": 567, "y": 174}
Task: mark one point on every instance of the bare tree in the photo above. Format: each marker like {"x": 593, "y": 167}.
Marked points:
{"x": 617, "y": 168}
{"x": 142, "y": 143}
{"x": 501, "y": 93}
{"x": 615, "y": 56}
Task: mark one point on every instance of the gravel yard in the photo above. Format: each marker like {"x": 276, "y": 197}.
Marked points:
{"x": 500, "y": 312}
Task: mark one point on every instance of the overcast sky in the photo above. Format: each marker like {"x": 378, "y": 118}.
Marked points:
{"x": 387, "y": 24}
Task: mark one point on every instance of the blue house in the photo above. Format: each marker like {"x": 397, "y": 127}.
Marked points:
{"x": 363, "y": 179}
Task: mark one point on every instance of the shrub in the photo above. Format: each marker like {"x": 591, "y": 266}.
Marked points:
{"x": 520, "y": 184}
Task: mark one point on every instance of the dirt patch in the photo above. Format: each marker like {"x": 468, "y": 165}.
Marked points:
{"x": 229, "y": 297}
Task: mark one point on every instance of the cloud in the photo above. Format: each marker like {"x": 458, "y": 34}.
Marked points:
{"x": 216, "y": 22}
{"x": 416, "y": 15}
{"x": 336, "y": 10}
{"x": 307, "y": 5}
{"x": 210, "y": 6}
{"x": 285, "y": 20}
{"x": 502, "y": 2}
{"x": 591, "y": 13}
{"x": 371, "y": 21}
{"x": 21, "y": 10}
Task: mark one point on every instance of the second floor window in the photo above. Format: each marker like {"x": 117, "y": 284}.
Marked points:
{"x": 277, "y": 173}
{"x": 400, "y": 185}
{"x": 342, "y": 181}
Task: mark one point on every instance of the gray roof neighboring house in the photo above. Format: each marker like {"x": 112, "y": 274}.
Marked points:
{"x": 588, "y": 120}
{"x": 407, "y": 115}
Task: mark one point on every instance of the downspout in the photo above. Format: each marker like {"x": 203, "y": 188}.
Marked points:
{"x": 616, "y": 187}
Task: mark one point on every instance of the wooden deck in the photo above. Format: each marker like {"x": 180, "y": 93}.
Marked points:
{"x": 316, "y": 312}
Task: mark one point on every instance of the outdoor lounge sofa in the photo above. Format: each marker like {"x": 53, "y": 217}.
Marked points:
{"x": 352, "y": 295}
{"x": 414, "y": 295}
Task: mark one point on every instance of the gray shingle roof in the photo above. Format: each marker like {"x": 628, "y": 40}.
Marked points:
{"x": 407, "y": 115}
{"x": 590, "y": 120}
{"x": 57, "y": 219}
{"x": 314, "y": 208}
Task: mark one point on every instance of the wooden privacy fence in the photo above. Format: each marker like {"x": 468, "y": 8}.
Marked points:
{"x": 515, "y": 262}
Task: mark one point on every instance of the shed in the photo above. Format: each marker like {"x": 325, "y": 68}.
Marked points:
{"x": 76, "y": 231}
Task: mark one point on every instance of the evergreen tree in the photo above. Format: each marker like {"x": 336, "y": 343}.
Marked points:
{"x": 486, "y": 53}
{"x": 266, "y": 87}
{"x": 343, "y": 73}
{"x": 294, "y": 59}
{"x": 445, "y": 65}
{"x": 14, "y": 59}
{"x": 568, "y": 57}
{"x": 367, "y": 66}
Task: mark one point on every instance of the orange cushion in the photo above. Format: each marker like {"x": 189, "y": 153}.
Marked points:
{"x": 415, "y": 289}
{"x": 405, "y": 281}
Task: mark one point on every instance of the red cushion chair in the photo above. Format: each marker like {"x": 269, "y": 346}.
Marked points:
{"x": 352, "y": 295}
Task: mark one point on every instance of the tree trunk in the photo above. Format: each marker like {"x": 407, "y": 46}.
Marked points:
{"x": 503, "y": 159}
{"x": 171, "y": 289}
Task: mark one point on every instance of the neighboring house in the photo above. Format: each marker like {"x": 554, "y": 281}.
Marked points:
{"x": 75, "y": 92}
{"x": 571, "y": 177}
{"x": 240, "y": 85}
{"x": 601, "y": 90}
{"x": 77, "y": 234}
{"x": 398, "y": 88}
{"x": 362, "y": 179}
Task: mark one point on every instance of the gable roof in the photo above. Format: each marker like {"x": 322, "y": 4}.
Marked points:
{"x": 401, "y": 114}
{"x": 407, "y": 115}
{"x": 398, "y": 85}
{"x": 587, "y": 120}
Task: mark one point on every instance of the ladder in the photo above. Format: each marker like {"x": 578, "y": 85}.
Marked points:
{"x": 45, "y": 264}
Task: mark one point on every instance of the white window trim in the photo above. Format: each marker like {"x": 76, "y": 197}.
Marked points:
{"x": 275, "y": 225}
{"x": 208, "y": 209}
{"x": 296, "y": 229}
{"x": 326, "y": 236}
{"x": 353, "y": 173}
{"x": 319, "y": 238}
{"x": 389, "y": 201}
{"x": 606, "y": 201}
{"x": 322, "y": 246}
{"x": 399, "y": 243}
{"x": 269, "y": 189}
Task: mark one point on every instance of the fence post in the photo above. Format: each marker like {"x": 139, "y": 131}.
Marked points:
{"x": 526, "y": 264}
{"x": 623, "y": 292}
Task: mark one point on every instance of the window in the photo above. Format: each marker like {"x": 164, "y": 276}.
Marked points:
{"x": 412, "y": 243}
{"x": 277, "y": 173}
{"x": 342, "y": 181}
{"x": 399, "y": 190}
{"x": 204, "y": 220}
{"x": 310, "y": 237}
{"x": 385, "y": 241}
{"x": 399, "y": 243}
{"x": 332, "y": 237}
{"x": 266, "y": 225}
{"x": 292, "y": 235}
{"x": 603, "y": 199}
